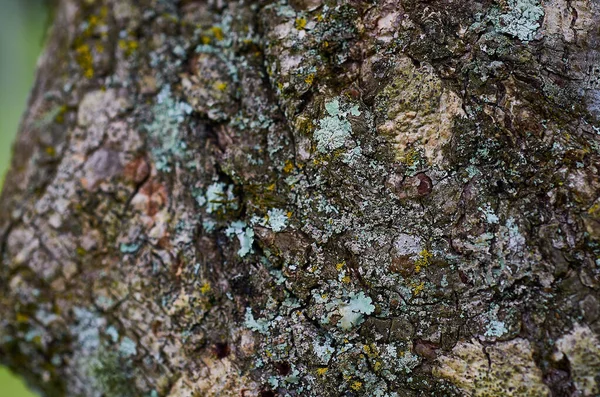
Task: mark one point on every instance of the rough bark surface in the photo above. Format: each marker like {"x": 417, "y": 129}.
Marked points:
{"x": 308, "y": 198}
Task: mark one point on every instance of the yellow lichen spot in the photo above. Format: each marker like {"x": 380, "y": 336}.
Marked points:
{"x": 356, "y": 385}
{"x": 324, "y": 296}
{"x": 418, "y": 288}
{"x": 310, "y": 79}
{"x": 221, "y": 86}
{"x": 423, "y": 261}
{"x": 22, "y": 318}
{"x": 217, "y": 32}
{"x": 346, "y": 279}
{"x": 80, "y": 251}
{"x": 99, "y": 48}
{"x": 594, "y": 209}
{"x": 320, "y": 18}
{"x": 289, "y": 166}
{"x": 205, "y": 288}
{"x": 322, "y": 371}
{"x": 410, "y": 157}
{"x": 289, "y": 214}
{"x": 50, "y": 151}
{"x": 377, "y": 366}
{"x": 271, "y": 187}
{"x": 301, "y": 23}
{"x": 60, "y": 115}
{"x": 340, "y": 265}
{"x": 205, "y": 40}
{"x": 371, "y": 350}
{"x": 128, "y": 46}
{"x": 85, "y": 60}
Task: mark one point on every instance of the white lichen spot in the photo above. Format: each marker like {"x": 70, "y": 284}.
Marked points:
{"x": 582, "y": 348}
{"x": 503, "y": 369}
{"x": 352, "y": 313}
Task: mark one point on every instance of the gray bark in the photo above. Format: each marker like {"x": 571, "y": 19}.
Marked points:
{"x": 387, "y": 198}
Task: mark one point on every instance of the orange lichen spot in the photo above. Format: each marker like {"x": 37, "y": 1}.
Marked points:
{"x": 217, "y": 32}
{"x": 300, "y": 23}
{"x": 289, "y": 214}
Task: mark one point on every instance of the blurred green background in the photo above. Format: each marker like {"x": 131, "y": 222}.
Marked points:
{"x": 22, "y": 27}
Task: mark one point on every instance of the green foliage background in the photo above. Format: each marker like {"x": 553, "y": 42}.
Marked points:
{"x": 22, "y": 26}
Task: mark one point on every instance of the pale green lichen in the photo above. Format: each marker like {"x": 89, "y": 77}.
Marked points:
{"x": 260, "y": 325}
{"x": 522, "y": 19}
{"x": 495, "y": 329}
{"x": 245, "y": 235}
{"x": 334, "y": 129}
{"x": 129, "y": 248}
{"x": 127, "y": 347}
{"x": 352, "y": 313}
{"x": 169, "y": 114}
{"x": 219, "y": 195}
{"x": 277, "y": 219}
{"x": 489, "y": 214}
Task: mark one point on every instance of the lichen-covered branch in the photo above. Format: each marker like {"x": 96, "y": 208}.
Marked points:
{"x": 308, "y": 198}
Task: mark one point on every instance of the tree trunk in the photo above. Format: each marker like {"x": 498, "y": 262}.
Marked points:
{"x": 387, "y": 198}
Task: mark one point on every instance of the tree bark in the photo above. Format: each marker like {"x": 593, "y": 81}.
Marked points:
{"x": 387, "y": 198}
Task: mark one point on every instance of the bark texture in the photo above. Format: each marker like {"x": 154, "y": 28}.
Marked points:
{"x": 308, "y": 198}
